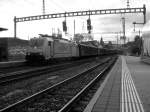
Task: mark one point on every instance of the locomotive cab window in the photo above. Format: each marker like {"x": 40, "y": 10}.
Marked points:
{"x": 49, "y": 43}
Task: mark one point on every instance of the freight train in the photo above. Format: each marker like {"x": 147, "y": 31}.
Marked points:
{"x": 50, "y": 48}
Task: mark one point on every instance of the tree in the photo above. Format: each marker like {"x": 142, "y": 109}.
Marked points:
{"x": 138, "y": 41}
{"x": 138, "y": 44}
{"x": 135, "y": 46}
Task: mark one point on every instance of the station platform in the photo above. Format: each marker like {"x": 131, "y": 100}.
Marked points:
{"x": 125, "y": 89}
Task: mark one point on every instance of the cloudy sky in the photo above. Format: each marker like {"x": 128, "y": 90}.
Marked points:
{"x": 101, "y": 23}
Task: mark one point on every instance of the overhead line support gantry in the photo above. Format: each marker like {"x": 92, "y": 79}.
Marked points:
{"x": 79, "y": 13}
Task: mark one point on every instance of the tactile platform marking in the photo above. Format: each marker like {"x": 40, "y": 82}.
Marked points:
{"x": 130, "y": 101}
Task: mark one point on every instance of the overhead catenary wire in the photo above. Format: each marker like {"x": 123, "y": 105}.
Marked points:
{"x": 58, "y": 5}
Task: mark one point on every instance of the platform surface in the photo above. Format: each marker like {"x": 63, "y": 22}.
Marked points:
{"x": 125, "y": 89}
{"x": 140, "y": 73}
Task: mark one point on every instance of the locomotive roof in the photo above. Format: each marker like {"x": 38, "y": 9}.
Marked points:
{"x": 41, "y": 38}
{"x": 62, "y": 40}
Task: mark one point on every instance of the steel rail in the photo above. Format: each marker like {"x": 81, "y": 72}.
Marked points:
{"x": 15, "y": 76}
{"x": 38, "y": 94}
{"x": 68, "y": 106}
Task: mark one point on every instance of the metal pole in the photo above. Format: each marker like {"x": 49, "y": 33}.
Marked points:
{"x": 134, "y": 26}
{"x": 117, "y": 40}
{"x": 139, "y": 33}
{"x": 74, "y": 27}
{"x": 123, "y": 24}
{"x": 66, "y": 23}
{"x": 43, "y": 7}
{"x": 15, "y": 27}
{"x": 128, "y": 6}
{"x": 144, "y": 13}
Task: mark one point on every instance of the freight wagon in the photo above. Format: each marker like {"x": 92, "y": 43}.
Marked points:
{"x": 87, "y": 51}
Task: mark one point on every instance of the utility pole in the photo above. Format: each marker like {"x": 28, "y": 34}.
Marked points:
{"x": 15, "y": 28}
{"x": 128, "y": 4}
{"x": 43, "y": 7}
{"x": 117, "y": 40}
{"x": 139, "y": 33}
{"x": 74, "y": 28}
{"x": 134, "y": 26}
{"x": 82, "y": 27}
{"x": 123, "y": 27}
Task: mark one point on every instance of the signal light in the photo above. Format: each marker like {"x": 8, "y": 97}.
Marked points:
{"x": 89, "y": 27}
{"x": 64, "y": 26}
{"x": 89, "y": 22}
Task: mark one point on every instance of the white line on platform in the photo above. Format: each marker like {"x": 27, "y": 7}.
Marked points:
{"x": 130, "y": 100}
{"x": 122, "y": 86}
{"x": 128, "y": 91}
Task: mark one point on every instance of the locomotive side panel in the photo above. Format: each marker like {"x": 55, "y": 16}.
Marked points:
{"x": 75, "y": 50}
{"x": 61, "y": 49}
{"x": 47, "y": 49}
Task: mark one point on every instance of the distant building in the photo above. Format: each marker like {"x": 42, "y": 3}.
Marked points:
{"x": 12, "y": 49}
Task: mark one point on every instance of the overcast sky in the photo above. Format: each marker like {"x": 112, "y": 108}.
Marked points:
{"x": 101, "y": 23}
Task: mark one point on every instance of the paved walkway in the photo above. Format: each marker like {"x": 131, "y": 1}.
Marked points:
{"x": 126, "y": 88}
{"x": 130, "y": 100}
{"x": 140, "y": 73}
{"x": 107, "y": 98}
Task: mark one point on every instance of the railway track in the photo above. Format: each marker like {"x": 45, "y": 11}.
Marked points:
{"x": 7, "y": 70}
{"x": 25, "y": 67}
{"x": 4, "y": 65}
{"x": 79, "y": 102}
{"x": 23, "y": 74}
{"x": 59, "y": 96}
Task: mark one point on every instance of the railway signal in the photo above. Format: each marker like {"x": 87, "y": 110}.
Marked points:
{"x": 89, "y": 26}
{"x": 64, "y": 26}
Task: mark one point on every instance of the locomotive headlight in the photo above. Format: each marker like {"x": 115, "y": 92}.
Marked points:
{"x": 35, "y": 47}
{"x": 41, "y": 53}
{"x": 27, "y": 53}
